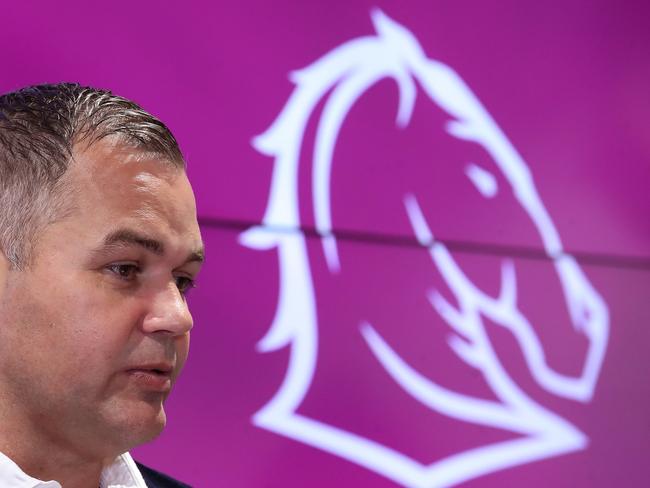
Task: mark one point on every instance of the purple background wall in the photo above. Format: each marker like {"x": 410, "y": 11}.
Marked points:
{"x": 567, "y": 84}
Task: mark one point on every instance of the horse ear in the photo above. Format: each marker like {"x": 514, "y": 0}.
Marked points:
{"x": 395, "y": 32}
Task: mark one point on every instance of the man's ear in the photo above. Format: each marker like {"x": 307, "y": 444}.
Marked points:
{"x": 5, "y": 266}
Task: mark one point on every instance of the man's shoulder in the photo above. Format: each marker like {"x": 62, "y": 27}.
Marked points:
{"x": 156, "y": 479}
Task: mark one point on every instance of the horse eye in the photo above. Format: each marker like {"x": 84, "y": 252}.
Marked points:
{"x": 483, "y": 180}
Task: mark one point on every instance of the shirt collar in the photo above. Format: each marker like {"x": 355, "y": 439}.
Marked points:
{"x": 122, "y": 473}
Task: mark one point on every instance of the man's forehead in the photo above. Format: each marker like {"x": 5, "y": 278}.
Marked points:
{"x": 111, "y": 166}
{"x": 116, "y": 186}
{"x": 112, "y": 155}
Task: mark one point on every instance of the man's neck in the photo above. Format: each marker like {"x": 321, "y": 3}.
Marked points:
{"x": 41, "y": 455}
{"x": 68, "y": 475}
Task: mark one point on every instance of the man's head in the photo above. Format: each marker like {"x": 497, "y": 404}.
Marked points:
{"x": 99, "y": 243}
{"x": 40, "y": 127}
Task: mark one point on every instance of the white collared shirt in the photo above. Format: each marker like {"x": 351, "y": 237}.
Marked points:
{"x": 123, "y": 473}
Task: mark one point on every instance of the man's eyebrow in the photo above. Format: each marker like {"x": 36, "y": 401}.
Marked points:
{"x": 130, "y": 237}
{"x": 197, "y": 256}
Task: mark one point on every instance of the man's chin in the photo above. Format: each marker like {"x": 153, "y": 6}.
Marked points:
{"x": 153, "y": 421}
{"x": 138, "y": 422}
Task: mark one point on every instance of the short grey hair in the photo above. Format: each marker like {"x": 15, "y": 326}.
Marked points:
{"x": 39, "y": 128}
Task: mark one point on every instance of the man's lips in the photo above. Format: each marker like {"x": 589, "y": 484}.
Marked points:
{"x": 161, "y": 367}
{"x": 153, "y": 377}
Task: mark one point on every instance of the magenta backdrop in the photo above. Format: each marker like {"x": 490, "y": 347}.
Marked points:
{"x": 566, "y": 82}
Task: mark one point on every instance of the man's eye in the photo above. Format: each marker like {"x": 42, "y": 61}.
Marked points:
{"x": 184, "y": 284}
{"x": 125, "y": 272}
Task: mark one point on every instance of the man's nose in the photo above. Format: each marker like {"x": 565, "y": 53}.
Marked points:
{"x": 168, "y": 312}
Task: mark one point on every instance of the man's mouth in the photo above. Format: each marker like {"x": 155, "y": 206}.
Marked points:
{"x": 153, "y": 377}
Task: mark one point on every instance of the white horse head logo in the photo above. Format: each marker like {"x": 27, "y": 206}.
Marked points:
{"x": 338, "y": 79}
